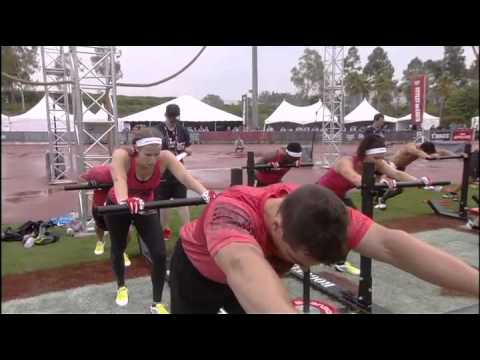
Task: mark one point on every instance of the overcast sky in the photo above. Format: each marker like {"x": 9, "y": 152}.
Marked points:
{"x": 226, "y": 70}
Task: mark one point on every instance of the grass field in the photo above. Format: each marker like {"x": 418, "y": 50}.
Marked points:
{"x": 70, "y": 250}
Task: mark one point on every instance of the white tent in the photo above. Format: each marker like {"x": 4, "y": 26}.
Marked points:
{"x": 365, "y": 112}
{"x": 191, "y": 110}
{"x": 5, "y": 123}
{"x": 301, "y": 115}
{"x": 428, "y": 122}
{"x": 35, "y": 119}
{"x": 474, "y": 124}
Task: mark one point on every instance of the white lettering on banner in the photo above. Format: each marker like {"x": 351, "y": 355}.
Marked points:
{"x": 314, "y": 277}
{"x": 317, "y": 279}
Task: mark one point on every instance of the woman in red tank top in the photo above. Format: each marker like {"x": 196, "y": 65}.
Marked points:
{"x": 136, "y": 172}
{"x": 345, "y": 175}
{"x": 346, "y": 172}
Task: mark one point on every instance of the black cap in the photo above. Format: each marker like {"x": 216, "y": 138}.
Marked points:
{"x": 172, "y": 110}
{"x": 295, "y": 148}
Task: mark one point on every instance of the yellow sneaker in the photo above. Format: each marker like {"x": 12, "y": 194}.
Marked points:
{"x": 100, "y": 248}
{"x": 347, "y": 267}
{"x": 158, "y": 309}
{"x": 122, "y": 296}
{"x": 126, "y": 260}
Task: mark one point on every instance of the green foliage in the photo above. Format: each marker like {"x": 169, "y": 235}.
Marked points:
{"x": 307, "y": 77}
{"x": 19, "y": 61}
{"x": 463, "y": 102}
{"x": 379, "y": 72}
{"x": 213, "y": 100}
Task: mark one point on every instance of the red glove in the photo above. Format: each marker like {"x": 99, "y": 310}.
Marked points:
{"x": 135, "y": 204}
{"x": 209, "y": 195}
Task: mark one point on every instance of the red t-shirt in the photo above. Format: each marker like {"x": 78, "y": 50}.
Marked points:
{"x": 237, "y": 216}
{"x": 102, "y": 175}
{"x": 273, "y": 176}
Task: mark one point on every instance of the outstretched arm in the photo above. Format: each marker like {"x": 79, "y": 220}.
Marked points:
{"x": 255, "y": 284}
{"x": 265, "y": 159}
{"x": 417, "y": 257}
{"x": 393, "y": 173}
{"x": 345, "y": 168}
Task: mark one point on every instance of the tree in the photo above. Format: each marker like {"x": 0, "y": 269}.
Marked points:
{"x": 414, "y": 68}
{"x": 351, "y": 63}
{"x": 19, "y": 61}
{"x": 454, "y": 64}
{"x": 472, "y": 72}
{"x": 379, "y": 72}
{"x": 214, "y": 100}
{"x": 464, "y": 102}
{"x": 356, "y": 83}
{"x": 307, "y": 76}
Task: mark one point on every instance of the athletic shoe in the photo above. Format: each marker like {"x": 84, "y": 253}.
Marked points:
{"x": 167, "y": 233}
{"x": 126, "y": 260}
{"x": 100, "y": 248}
{"x": 29, "y": 242}
{"x": 449, "y": 196}
{"x": 347, "y": 267}
{"x": 158, "y": 309}
{"x": 122, "y": 296}
{"x": 381, "y": 205}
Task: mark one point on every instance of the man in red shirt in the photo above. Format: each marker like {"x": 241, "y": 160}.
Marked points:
{"x": 232, "y": 257}
{"x": 290, "y": 155}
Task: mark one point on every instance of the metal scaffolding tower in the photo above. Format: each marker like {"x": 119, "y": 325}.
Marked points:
{"x": 59, "y": 156}
{"x": 94, "y": 77}
{"x": 333, "y": 96}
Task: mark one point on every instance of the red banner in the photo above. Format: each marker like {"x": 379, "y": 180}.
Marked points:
{"x": 463, "y": 135}
{"x": 418, "y": 99}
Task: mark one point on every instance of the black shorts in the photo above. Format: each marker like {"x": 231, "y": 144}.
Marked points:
{"x": 347, "y": 201}
{"x": 474, "y": 166}
{"x": 99, "y": 220}
{"x": 193, "y": 293}
{"x": 170, "y": 189}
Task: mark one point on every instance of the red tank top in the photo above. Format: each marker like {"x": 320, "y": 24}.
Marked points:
{"x": 137, "y": 188}
{"x": 336, "y": 182}
{"x": 273, "y": 176}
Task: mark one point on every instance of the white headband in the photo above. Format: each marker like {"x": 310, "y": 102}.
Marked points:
{"x": 149, "y": 141}
{"x": 374, "y": 151}
{"x": 294, "y": 154}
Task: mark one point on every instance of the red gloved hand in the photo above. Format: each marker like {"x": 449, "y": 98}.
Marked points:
{"x": 135, "y": 204}
{"x": 209, "y": 195}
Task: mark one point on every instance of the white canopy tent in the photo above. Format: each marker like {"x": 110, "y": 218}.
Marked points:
{"x": 301, "y": 115}
{"x": 474, "y": 124}
{"x": 365, "y": 112}
{"x": 428, "y": 122}
{"x": 35, "y": 119}
{"x": 5, "y": 123}
{"x": 191, "y": 110}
